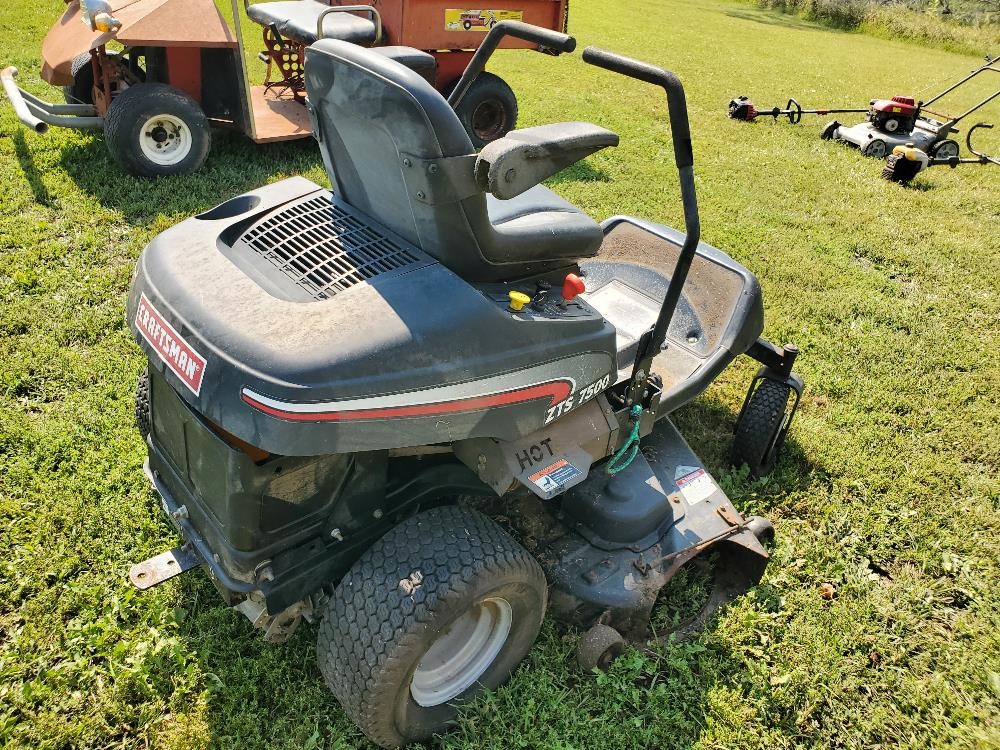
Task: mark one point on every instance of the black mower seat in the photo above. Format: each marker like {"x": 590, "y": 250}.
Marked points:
{"x": 395, "y": 150}
{"x": 297, "y": 20}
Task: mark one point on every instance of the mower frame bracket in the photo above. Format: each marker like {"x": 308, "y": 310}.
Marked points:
{"x": 163, "y": 567}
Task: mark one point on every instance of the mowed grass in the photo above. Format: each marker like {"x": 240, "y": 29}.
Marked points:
{"x": 888, "y": 491}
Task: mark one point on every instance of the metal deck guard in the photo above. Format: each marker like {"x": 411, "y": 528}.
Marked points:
{"x": 38, "y": 115}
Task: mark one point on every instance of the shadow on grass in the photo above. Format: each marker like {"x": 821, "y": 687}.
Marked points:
{"x": 707, "y": 424}
{"x": 580, "y": 172}
{"x": 234, "y": 166}
{"x": 31, "y": 173}
{"x": 785, "y": 20}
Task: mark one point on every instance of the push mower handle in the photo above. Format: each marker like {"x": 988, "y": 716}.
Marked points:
{"x": 680, "y": 131}
{"x": 547, "y": 38}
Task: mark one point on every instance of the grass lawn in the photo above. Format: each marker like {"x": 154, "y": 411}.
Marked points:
{"x": 888, "y": 490}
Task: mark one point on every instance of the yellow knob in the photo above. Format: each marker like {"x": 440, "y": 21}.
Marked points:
{"x": 518, "y": 300}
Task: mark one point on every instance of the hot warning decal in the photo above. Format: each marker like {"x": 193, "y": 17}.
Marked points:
{"x": 555, "y": 476}
{"x": 696, "y": 485}
{"x": 176, "y": 353}
{"x": 456, "y": 19}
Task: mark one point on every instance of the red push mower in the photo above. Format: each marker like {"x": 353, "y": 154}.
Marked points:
{"x": 899, "y": 121}
{"x": 177, "y": 67}
{"x": 906, "y": 162}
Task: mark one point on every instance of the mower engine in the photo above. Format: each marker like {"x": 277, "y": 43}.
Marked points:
{"x": 898, "y": 114}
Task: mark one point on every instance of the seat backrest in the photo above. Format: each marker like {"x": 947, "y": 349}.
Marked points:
{"x": 394, "y": 149}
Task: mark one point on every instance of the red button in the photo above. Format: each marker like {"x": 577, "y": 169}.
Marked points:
{"x": 572, "y": 286}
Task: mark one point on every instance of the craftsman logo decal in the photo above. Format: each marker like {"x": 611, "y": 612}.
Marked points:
{"x": 695, "y": 484}
{"x": 456, "y": 19}
{"x": 175, "y": 352}
{"x": 427, "y": 403}
{"x": 555, "y": 476}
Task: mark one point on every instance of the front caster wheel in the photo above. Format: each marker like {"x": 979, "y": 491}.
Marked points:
{"x": 598, "y": 647}
{"x": 442, "y": 606}
{"x": 761, "y": 429}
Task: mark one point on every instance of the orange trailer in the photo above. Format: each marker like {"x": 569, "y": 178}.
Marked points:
{"x": 156, "y": 75}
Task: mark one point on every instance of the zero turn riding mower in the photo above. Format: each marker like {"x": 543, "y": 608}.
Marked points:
{"x": 155, "y": 75}
{"x": 341, "y": 382}
{"x": 899, "y": 121}
{"x": 906, "y": 162}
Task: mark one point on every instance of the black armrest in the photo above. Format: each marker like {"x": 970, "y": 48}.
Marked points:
{"x": 523, "y": 158}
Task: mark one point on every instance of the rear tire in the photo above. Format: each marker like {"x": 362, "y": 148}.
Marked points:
{"x": 488, "y": 110}
{"x": 445, "y": 604}
{"x": 759, "y": 435}
{"x": 154, "y": 130}
{"x": 946, "y": 149}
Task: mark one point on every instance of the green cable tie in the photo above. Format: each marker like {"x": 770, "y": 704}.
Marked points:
{"x": 631, "y": 446}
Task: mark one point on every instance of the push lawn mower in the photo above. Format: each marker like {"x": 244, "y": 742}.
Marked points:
{"x": 906, "y": 162}
{"x": 893, "y": 122}
{"x": 343, "y": 387}
{"x": 182, "y": 68}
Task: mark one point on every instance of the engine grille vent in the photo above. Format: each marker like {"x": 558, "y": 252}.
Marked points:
{"x": 324, "y": 249}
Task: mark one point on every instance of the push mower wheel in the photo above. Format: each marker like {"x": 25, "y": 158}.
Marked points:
{"x": 443, "y": 605}
{"x": 875, "y": 148}
{"x": 488, "y": 110}
{"x": 143, "y": 419}
{"x": 947, "y": 149}
{"x": 760, "y": 430}
{"x": 829, "y": 131}
{"x": 598, "y": 647}
{"x": 154, "y": 130}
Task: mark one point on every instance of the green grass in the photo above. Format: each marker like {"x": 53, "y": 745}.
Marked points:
{"x": 888, "y": 491}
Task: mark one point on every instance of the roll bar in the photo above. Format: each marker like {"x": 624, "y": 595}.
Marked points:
{"x": 546, "y": 38}
{"x": 680, "y": 131}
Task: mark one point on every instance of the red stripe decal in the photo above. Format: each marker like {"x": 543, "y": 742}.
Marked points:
{"x": 555, "y": 391}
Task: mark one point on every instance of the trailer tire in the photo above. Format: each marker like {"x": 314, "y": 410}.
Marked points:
{"x": 760, "y": 431}
{"x": 488, "y": 110}
{"x": 81, "y": 91}
{"x": 154, "y": 130}
{"x": 143, "y": 417}
{"x": 448, "y": 579}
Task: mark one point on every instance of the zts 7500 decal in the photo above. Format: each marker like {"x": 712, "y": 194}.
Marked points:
{"x": 543, "y": 385}
{"x": 579, "y": 398}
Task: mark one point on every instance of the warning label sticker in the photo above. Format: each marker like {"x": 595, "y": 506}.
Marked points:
{"x": 555, "y": 476}
{"x": 456, "y": 19}
{"x": 696, "y": 486}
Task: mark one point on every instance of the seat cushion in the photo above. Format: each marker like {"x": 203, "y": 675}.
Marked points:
{"x": 539, "y": 226}
{"x": 297, "y": 19}
{"x": 415, "y": 59}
